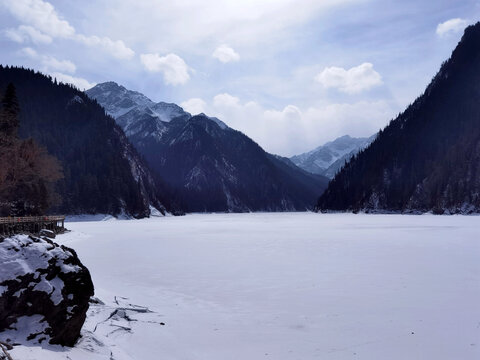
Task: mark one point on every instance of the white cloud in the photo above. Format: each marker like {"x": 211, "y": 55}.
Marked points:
{"x": 57, "y": 69}
{"x": 44, "y": 24}
{"x": 244, "y": 23}
{"x": 289, "y": 112}
{"x": 226, "y": 100}
{"x": 25, "y": 33}
{"x": 451, "y": 26}
{"x": 174, "y": 69}
{"x": 29, "y": 52}
{"x": 225, "y": 54}
{"x": 80, "y": 83}
{"x": 354, "y": 80}
{"x": 116, "y": 48}
{"x": 41, "y": 15}
{"x": 53, "y": 64}
{"x": 293, "y": 130}
{"x": 194, "y": 106}
{"x": 49, "y": 63}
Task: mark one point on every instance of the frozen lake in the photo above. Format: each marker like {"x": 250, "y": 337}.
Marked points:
{"x": 285, "y": 286}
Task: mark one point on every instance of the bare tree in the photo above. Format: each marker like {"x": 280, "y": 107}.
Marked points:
{"x": 27, "y": 172}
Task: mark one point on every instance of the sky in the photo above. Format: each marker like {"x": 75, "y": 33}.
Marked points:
{"x": 291, "y": 74}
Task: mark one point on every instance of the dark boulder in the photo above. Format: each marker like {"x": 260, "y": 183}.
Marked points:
{"x": 44, "y": 291}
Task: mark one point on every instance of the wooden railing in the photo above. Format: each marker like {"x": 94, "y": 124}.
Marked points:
{"x": 30, "y": 219}
{"x": 31, "y": 224}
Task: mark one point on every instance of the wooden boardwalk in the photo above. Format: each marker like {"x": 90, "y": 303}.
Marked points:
{"x": 31, "y": 224}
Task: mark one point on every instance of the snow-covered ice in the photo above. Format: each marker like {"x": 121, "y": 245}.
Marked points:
{"x": 279, "y": 286}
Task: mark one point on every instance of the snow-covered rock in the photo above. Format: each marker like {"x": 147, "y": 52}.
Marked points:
{"x": 44, "y": 291}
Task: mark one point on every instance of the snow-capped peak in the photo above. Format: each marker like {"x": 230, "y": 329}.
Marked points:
{"x": 327, "y": 159}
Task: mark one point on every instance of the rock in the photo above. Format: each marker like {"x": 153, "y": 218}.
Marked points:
{"x": 44, "y": 291}
{"x": 47, "y": 233}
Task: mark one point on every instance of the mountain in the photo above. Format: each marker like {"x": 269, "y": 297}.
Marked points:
{"x": 428, "y": 158}
{"x": 103, "y": 172}
{"x": 329, "y": 158}
{"x": 128, "y": 107}
{"x": 210, "y": 166}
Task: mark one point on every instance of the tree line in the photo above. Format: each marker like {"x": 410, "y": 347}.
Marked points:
{"x": 27, "y": 172}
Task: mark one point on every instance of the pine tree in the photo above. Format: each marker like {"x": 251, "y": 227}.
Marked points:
{"x": 27, "y": 172}
{"x": 10, "y": 110}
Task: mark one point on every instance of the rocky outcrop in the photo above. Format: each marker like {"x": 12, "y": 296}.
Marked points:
{"x": 44, "y": 291}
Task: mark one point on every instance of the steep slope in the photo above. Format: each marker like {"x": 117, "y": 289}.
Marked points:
{"x": 428, "y": 158}
{"x": 102, "y": 171}
{"x": 126, "y": 106}
{"x": 329, "y": 158}
{"x": 211, "y": 166}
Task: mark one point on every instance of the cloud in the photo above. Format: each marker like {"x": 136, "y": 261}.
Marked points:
{"x": 116, "y": 48}
{"x": 293, "y": 130}
{"x": 290, "y": 112}
{"x": 27, "y": 33}
{"x": 226, "y": 100}
{"x": 351, "y": 81}
{"x": 57, "y": 69}
{"x": 44, "y": 24}
{"x": 53, "y": 64}
{"x": 80, "y": 83}
{"x": 244, "y": 23}
{"x": 225, "y": 54}
{"x": 49, "y": 63}
{"x": 41, "y": 15}
{"x": 29, "y": 52}
{"x": 194, "y": 106}
{"x": 451, "y": 26}
{"x": 174, "y": 69}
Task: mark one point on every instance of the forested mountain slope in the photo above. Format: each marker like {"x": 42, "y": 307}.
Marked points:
{"x": 211, "y": 166}
{"x": 428, "y": 158}
{"x": 102, "y": 171}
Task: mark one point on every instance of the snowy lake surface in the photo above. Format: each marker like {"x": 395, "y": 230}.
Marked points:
{"x": 283, "y": 286}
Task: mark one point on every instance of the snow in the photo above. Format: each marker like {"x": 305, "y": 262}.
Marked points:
{"x": 28, "y": 257}
{"x": 75, "y": 100}
{"x": 129, "y": 105}
{"x": 330, "y": 157}
{"x": 154, "y": 211}
{"x": 89, "y": 217}
{"x": 53, "y": 287}
{"x": 32, "y": 256}
{"x": 24, "y": 327}
{"x": 278, "y": 286}
{"x": 219, "y": 122}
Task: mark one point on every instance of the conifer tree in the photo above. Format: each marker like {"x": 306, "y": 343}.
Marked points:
{"x": 10, "y": 110}
{"x": 27, "y": 172}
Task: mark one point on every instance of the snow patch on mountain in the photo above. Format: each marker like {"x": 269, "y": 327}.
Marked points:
{"x": 126, "y": 105}
{"x": 329, "y": 158}
{"x": 136, "y": 114}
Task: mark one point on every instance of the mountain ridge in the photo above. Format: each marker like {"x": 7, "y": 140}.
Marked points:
{"x": 328, "y": 159}
{"x": 211, "y": 166}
